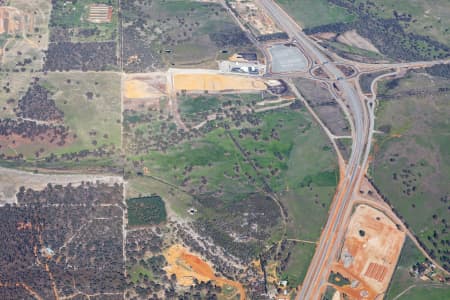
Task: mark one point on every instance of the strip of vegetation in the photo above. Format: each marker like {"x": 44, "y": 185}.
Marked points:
{"x": 338, "y": 279}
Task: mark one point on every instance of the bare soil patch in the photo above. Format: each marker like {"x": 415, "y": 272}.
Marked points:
{"x": 217, "y": 83}
{"x": 371, "y": 249}
{"x": 144, "y": 91}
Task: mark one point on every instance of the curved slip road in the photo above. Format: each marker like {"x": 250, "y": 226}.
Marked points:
{"x": 339, "y": 213}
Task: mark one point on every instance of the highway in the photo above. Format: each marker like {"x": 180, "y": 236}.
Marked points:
{"x": 362, "y": 118}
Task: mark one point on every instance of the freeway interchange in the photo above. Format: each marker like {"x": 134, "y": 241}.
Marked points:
{"x": 361, "y": 111}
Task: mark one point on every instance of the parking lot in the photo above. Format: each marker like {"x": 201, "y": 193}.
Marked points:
{"x": 286, "y": 58}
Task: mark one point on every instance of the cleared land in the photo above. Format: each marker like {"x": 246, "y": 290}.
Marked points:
{"x": 143, "y": 92}
{"x": 25, "y": 25}
{"x": 371, "y": 249}
{"x": 216, "y": 83}
{"x": 411, "y": 165}
{"x": 252, "y": 15}
{"x": 352, "y": 38}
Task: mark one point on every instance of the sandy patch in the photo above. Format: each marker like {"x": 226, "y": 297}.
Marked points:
{"x": 145, "y": 85}
{"x": 144, "y": 90}
{"x": 217, "y": 83}
{"x": 187, "y": 266}
{"x": 352, "y": 38}
{"x": 373, "y": 244}
{"x": 136, "y": 89}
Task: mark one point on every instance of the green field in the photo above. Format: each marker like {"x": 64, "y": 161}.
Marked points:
{"x": 312, "y": 13}
{"x": 412, "y": 161}
{"x": 229, "y": 177}
{"x": 95, "y": 122}
{"x": 139, "y": 273}
{"x": 195, "y": 108}
{"x": 426, "y": 292}
{"x": 70, "y": 17}
{"x": 91, "y": 106}
{"x": 301, "y": 255}
{"x": 146, "y": 211}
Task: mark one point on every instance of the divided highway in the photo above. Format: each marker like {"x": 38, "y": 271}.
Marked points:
{"x": 333, "y": 232}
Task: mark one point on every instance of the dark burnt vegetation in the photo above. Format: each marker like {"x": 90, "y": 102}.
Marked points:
{"x": 146, "y": 211}
{"x": 37, "y": 104}
{"x": 32, "y": 130}
{"x": 230, "y": 36}
{"x": 240, "y": 227}
{"x": 144, "y": 256}
{"x": 366, "y": 79}
{"x": 441, "y": 70}
{"x": 388, "y": 35}
{"x": 88, "y": 56}
{"x": 67, "y": 237}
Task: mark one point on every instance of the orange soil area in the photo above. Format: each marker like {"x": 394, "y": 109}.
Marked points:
{"x": 217, "y": 83}
{"x": 187, "y": 266}
{"x": 375, "y": 252}
{"x": 137, "y": 89}
{"x": 144, "y": 91}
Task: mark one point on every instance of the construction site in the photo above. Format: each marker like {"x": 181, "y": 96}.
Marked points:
{"x": 369, "y": 255}
{"x": 254, "y": 16}
{"x": 201, "y": 82}
{"x": 144, "y": 90}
